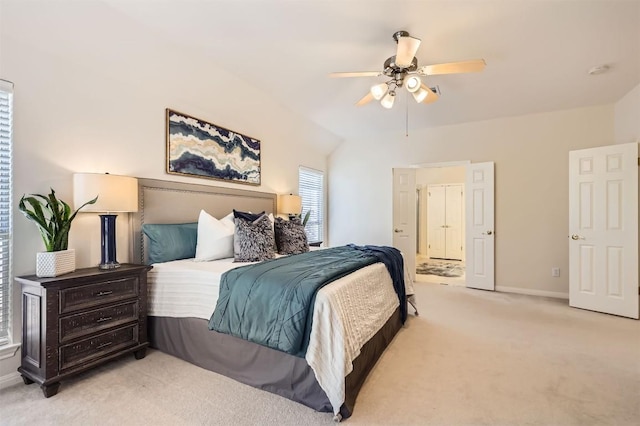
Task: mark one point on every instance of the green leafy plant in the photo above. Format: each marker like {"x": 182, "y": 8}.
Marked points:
{"x": 52, "y": 216}
{"x": 306, "y": 218}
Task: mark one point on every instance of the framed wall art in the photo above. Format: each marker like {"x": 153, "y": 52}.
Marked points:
{"x": 201, "y": 149}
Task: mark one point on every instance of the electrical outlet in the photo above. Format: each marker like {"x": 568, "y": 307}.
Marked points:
{"x": 555, "y": 272}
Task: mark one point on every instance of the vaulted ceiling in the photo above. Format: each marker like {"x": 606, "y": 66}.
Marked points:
{"x": 537, "y": 53}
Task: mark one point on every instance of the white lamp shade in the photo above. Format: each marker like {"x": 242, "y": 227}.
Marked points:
{"x": 115, "y": 193}
{"x": 420, "y": 95}
{"x": 388, "y": 100}
{"x": 379, "y": 90}
{"x": 425, "y": 95}
{"x": 290, "y": 204}
{"x": 407, "y": 48}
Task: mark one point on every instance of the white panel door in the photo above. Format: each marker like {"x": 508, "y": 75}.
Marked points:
{"x": 436, "y": 221}
{"x": 444, "y": 218}
{"x": 453, "y": 221}
{"x": 603, "y": 227}
{"x": 404, "y": 216}
{"x": 479, "y": 232}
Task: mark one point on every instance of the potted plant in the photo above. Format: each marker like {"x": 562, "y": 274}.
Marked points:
{"x": 53, "y": 218}
{"x": 303, "y": 219}
{"x": 306, "y": 218}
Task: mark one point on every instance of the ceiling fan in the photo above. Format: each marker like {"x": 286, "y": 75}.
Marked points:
{"x": 402, "y": 70}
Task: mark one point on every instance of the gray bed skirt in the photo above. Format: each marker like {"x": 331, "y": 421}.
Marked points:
{"x": 259, "y": 366}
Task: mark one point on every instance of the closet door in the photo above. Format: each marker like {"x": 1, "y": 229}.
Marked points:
{"x": 436, "y": 221}
{"x": 453, "y": 222}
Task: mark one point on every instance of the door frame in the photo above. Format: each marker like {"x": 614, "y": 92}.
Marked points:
{"x": 458, "y": 163}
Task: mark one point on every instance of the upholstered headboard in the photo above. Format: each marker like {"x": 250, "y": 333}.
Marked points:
{"x": 163, "y": 201}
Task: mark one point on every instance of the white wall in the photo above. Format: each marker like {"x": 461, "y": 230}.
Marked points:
{"x": 98, "y": 112}
{"x": 531, "y": 157}
{"x": 627, "y": 117}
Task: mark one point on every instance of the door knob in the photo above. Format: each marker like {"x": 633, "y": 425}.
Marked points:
{"x": 576, "y": 237}
{"x": 397, "y": 231}
{"x": 487, "y": 233}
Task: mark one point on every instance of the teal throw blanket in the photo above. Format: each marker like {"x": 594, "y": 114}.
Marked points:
{"x": 271, "y": 303}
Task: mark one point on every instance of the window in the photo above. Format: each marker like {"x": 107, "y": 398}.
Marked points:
{"x": 311, "y": 189}
{"x": 6, "y": 109}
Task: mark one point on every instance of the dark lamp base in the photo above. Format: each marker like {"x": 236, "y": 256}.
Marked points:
{"x": 112, "y": 265}
{"x": 108, "y": 240}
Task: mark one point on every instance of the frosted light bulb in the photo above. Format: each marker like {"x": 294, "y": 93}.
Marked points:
{"x": 413, "y": 84}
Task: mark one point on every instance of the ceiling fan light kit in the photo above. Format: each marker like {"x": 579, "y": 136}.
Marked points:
{"x": 413, "y": 84}
{"x": 388, "y": 100}
{"x": 407, "y": 48}
{"x": 431, "y": 94}
{"x": 421, "y": 94}
{"x": 379, "y": 90}
{"x": 404, "y": 65}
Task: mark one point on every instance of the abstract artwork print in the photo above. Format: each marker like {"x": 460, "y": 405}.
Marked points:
{"x": 201, "y": 149}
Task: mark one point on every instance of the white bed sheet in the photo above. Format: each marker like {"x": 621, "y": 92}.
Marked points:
{"x": 346, "y": 315}
{"x": 186, "y": 288}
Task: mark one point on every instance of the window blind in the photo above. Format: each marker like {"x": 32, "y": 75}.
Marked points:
{"x": 6, "y": 113}
{"x": 311, "y": 189}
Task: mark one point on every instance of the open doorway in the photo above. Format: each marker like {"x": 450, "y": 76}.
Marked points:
{"x": 479, "y": 217}
{"x": 440, "y": 225}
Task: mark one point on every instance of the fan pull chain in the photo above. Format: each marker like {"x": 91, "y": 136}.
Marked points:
{"x": 406, "y": 124}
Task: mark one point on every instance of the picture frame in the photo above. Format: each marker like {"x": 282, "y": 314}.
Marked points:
{"x": 197, "y": 148}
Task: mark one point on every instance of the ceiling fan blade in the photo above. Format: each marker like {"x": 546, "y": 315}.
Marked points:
{"x": 476, "y": 65}
{"x": 365, "y": 100}
{"x": 431, "y": 97}
{"x": 407, "y": 48}
{"x": 355, "y": 74}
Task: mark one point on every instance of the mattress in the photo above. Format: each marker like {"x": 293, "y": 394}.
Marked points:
{"x": 347, "y": 313}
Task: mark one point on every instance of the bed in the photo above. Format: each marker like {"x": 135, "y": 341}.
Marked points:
{"x": 330, "y": 375}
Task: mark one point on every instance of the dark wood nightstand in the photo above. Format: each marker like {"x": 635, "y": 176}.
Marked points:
{"x": 315, "y": 244}
{"x": 80, "y": 320}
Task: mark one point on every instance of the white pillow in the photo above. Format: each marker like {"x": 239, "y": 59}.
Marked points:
{"x": 228, "y": 221}
{"x": 215, "y": 239}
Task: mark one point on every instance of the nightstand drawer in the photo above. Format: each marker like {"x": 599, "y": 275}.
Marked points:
{"x": 98, "y": 346}
{"x": 75, "y": 298}
{"x": 85, "y": 323}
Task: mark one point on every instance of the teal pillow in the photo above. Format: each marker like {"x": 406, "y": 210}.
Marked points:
{"x": 169, "y": 242}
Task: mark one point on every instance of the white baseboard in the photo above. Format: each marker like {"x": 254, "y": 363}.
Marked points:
{"x": 10, "y": 380}
{"x": 530, "y": 292}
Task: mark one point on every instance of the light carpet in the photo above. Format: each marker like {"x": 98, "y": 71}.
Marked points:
{"x": 471, "y": 358}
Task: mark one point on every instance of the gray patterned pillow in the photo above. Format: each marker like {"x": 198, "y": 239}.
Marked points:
{"x": 253, "y": 240}
{"x": 290, "y": 236}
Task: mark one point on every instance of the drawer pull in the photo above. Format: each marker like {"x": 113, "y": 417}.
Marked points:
{"x": 103, "y": 319}
{"x": 105, "y": 293}
{"x": 104, "y": 345}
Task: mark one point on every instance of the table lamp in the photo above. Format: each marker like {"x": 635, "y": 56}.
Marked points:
{"x": 116, "y": 194}
{"x": 290, "y": 204}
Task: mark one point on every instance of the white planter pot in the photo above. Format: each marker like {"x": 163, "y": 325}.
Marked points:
{"x": 54, "y": 263}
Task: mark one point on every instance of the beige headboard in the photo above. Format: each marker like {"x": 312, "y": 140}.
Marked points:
{"x": 163, "y": 201}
